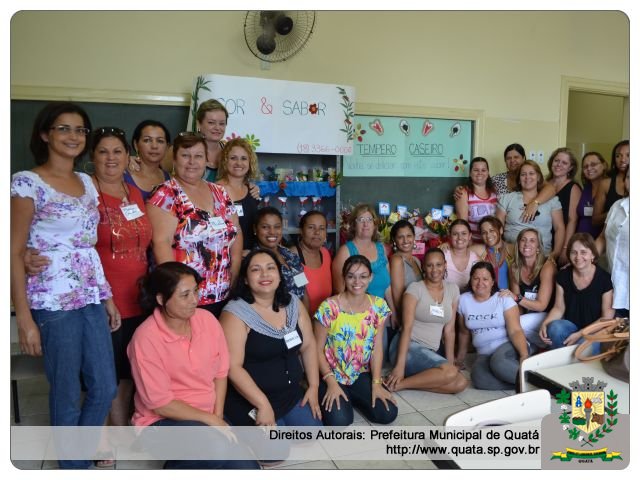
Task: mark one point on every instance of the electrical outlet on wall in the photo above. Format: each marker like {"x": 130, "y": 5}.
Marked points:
{"x": 540, "y": 158}
{"x": 532, "y": 155}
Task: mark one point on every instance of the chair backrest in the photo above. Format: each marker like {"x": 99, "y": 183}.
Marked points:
{"x": 549, "y": 359}
{"x": 513, "y": 409}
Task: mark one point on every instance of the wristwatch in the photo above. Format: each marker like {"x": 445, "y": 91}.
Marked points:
{"x": 519, "y": 298}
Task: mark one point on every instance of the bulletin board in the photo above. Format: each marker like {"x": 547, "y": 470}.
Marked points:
{"x": 411, "y": 156}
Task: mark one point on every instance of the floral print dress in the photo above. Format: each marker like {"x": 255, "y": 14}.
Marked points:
{"x": 350, "y": 337}
{"x": 64, "y": 228}
{"x": 202, "y": 239}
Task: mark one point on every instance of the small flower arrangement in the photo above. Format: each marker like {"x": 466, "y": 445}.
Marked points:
{"x": 437, "y": 230}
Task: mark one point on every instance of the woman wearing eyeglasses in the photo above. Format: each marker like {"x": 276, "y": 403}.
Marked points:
{"x": 64, "y": 312}
{"x": 364, "y": 241}
{"x": 194, "y": 222}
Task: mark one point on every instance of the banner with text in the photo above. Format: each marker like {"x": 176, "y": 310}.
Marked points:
{"x": 410, "y": 147}
{"x": 281, "y": 116}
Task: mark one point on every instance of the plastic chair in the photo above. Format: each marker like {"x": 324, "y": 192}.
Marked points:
{"x": 22, "y": 367}
{"x": 548, "y": 359}
{"x": 521, "y": 407}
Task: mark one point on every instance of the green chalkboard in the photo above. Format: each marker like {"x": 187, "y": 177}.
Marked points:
{"x": 125, "y": 116}
{"x": 423, "y": 193}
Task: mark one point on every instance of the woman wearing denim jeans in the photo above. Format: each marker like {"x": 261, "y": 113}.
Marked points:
{"x": 493, "y": 322}
{"x": 348, "y": 333}
{"x": 65, "y": 312}
{"x": 584, "y": 293}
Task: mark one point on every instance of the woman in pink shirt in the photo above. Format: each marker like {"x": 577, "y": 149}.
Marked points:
{"x": 179, "y": 361}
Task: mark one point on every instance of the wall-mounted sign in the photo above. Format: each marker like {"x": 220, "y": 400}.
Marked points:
{"x": 281, "y": 116}
{"x": 410, "y": 147}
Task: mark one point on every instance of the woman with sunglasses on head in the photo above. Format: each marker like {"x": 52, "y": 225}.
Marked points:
{"x": 66, "y": 311}
{"x": 194, "y": 222}
{"x": 612, "y": 189}
{"x": 493, "y": 323}
{"x": 315, "y": 257}
{"x": 237, "y": 167}
{"x": 594, "y": 169}
{"x": 349, "y": 331}
{"x": 124, "y": 234}
{"x": 151, "y": 140}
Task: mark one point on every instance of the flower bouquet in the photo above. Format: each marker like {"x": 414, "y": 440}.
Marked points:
{"x": 437, "y": 231}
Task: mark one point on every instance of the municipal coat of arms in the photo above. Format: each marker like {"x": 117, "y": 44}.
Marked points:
{"x": 588, "y": 413}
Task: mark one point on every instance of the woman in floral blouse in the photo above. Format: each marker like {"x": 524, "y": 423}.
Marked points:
{"x": 348, "y": 332}
{"x": 194, "y": 222}
{"x": 63, "y": 312}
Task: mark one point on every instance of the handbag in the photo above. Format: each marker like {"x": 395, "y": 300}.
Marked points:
{"x": 613, "y": 336}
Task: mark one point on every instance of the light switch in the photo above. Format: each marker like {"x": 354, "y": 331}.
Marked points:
{"x": 540, "y": 158}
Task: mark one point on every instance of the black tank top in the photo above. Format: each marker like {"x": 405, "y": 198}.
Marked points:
{"x": 533, "y": 288}
{"x": 612, "y": 196}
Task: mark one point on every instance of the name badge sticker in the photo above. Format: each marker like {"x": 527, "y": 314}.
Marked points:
{"x": 239, "y": 210}
{"x": 292, "y": 339}
{"x": 588, "y": 211}
{"x": 300, "y": 280}
{"x": 131, "y": 211}
{"x": 218, "y": 223}
{"x": 436, "y": 310}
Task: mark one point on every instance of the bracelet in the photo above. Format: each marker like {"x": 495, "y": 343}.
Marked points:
{"x": 519, "y": 298}
{"x": 327, "y": 375}
{"x": 536, "y": 202}
{"x": 377, "y": 381}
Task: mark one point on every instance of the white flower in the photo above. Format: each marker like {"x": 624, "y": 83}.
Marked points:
{"x": 580, "y": 438}
{"x": 564, "y": 407}
{"x": 565, "y": 427}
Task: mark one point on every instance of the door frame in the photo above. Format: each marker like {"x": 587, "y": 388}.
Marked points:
{"x": 578, "y": 84}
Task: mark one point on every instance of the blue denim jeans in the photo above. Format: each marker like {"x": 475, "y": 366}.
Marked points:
{"x": 299, "y": 417}
{"x": 498, "y": 371}
{"x": 559, "y": 330}
{"x": 359, "y": 394}
{"x": 419, "y": 357}
{"x": 207, "y": 440}
{"x": 77, "y": 343}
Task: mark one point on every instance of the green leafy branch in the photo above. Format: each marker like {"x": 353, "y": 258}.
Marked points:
{"x": 201, "y": 84}
{"x": 347, "y": 106}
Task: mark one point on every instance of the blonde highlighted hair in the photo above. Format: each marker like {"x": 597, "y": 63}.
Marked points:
{"x": 223, "y": 167}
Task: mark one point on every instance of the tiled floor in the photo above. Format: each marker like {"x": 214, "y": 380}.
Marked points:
{"x": 415, "y": 408}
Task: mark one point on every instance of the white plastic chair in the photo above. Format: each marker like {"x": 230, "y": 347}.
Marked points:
{"x": 22, "y": 367}
{"x": 548, "y": 359}
{"x": 521, "y": 407}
